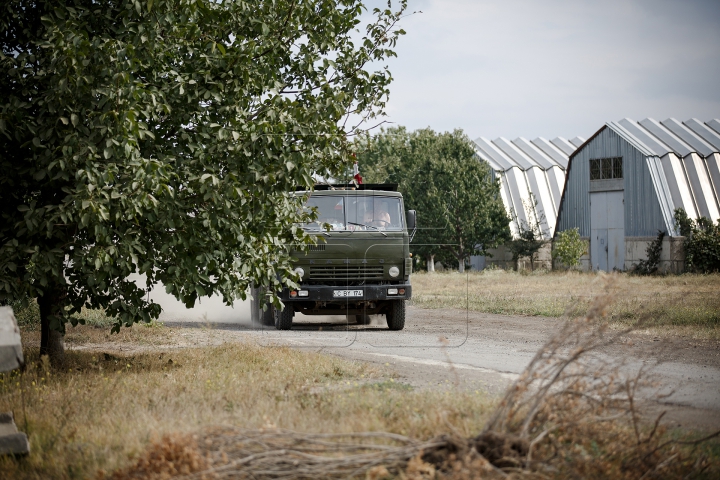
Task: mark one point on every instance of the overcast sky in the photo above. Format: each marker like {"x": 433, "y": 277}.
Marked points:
{"x": 552, "y": 68}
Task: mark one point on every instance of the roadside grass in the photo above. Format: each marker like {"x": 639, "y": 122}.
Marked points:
{"x": 28, "y": 316}
{"x": 103, "y": 408}
{"x": 675, "y": 302}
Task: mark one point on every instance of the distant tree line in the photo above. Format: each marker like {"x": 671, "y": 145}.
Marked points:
{"x": 459, "y": 209}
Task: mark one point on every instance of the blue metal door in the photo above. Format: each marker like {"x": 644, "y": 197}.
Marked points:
{"x": 607, "y": 230}
{"x": 616, "y": 230}
{"x": 601, "y": 238}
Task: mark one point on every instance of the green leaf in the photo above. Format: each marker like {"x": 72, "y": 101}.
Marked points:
{"x": 149, "y": 147}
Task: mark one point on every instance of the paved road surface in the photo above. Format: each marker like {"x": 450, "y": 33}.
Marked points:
{"x": 485, "y": 351}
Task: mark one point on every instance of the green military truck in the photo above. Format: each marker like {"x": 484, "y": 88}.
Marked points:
{"x": 361, "y": 266}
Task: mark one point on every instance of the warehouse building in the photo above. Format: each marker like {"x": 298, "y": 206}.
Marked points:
{"x": 532, "y": 177}
{"x": 623, "y": 185}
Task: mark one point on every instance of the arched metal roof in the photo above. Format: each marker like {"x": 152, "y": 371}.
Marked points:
{"x": 682, "y": 162}
{"x": 532, "y": 176}
{"x": 689, "y": 153}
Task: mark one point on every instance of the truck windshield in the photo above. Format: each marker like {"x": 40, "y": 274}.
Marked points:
{"x": 356, "y": 213}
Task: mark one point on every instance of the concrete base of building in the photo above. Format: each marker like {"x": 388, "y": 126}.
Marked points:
{"x": 672, "y": 257}
{"x": 502, "y": 258}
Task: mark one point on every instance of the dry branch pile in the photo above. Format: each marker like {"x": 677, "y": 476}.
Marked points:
{"x": 572, "y": 413}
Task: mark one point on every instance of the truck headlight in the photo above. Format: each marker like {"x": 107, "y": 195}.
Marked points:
{"x": 300, "y": 271}
{"x": 394, "y": 272}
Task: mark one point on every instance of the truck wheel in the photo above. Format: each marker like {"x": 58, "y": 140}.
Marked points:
{"x": 283, "y": 318}
{"x": 259, "y": 316}
{"x": 362, "y": 319}
{"x": 396, "y": 315}
{"x": 267, "y": 318}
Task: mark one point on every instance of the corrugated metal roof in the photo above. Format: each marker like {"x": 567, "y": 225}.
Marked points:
{"x": 681, "y": 158}
{"x": 528, "y": 167}
{"x": 689, "y": 153}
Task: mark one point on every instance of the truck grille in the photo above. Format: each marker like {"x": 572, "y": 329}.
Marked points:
{"x": 346, "y": 272}
{"x": 317, "y": 248}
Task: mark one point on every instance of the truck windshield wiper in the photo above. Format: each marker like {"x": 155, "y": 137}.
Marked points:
{"x": 320, "y": 230}
{"x": 368, "y": 226}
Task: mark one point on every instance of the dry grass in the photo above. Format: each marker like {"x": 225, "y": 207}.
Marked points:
{"x": 105, "y": 407}
{"x": 571, "y": 414}
{"x": 574, "y": 412}
{"x": 139, "y": 405}
{"x": 678, "y": 301}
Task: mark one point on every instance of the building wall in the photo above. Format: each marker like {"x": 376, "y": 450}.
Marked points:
{"x": 672, "y": 257}
{"x": 502, "y": 258}
{"x": 643, "y": 215}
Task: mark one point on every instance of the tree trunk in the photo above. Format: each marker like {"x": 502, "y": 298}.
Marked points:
{"x": 51, "y": 339}
{"x": 461, "y": 265}
{"x": 430, "y": 262}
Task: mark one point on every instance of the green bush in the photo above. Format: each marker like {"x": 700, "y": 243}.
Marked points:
{"x": 27, "y": 314}
{"x": 651, "y": 264}
{"x": 702, "y": 242}
{"x": 568, "y": 248}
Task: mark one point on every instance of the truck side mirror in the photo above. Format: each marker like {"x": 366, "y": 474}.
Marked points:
{"x": 411, "y": 218}
{"x": 411, "y": 223}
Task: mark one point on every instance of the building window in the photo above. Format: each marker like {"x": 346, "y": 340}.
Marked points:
{"x": 606, "y": 168}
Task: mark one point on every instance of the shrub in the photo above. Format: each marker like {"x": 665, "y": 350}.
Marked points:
{"x": 702, "y": 242}
{"x": 530, "y": 238}
{"x": 651, "y": 264}
{"x": 27, "y": 314}
{"x": 568, "y": 247}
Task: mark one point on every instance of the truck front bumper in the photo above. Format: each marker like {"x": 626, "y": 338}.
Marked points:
{"x": 334, "y": 294}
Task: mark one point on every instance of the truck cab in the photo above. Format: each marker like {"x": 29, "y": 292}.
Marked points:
{"x": 361, "y": 264}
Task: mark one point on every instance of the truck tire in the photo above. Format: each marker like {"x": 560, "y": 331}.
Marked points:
{"x": 266, "y": 318}
{"x": 396, "y": 315}
{"x": 362, "y": 319}
{"x": 284, "y": 317}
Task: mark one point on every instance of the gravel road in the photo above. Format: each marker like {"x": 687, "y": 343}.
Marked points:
{"x": 453, "y": 348}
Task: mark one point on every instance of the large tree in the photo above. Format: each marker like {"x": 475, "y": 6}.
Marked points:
{"x": 460, "y": 212}
{"x": 162, "y": 138}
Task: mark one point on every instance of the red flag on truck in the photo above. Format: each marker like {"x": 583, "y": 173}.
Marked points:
{"x": 356, "y": 173}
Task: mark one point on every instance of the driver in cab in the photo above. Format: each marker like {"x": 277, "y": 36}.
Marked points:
{"x": 378, "y": 218}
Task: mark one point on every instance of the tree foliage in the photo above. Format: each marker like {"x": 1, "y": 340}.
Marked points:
{"x": 702, "y": 242}
{"x": 460, "y": 212}
{"x": 568, "y": 247}
{"x": 162, "y": 138}
{"x": 530, "y": 237}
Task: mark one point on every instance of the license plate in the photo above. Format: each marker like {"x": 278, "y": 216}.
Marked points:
{"x": 347, "y": 293}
